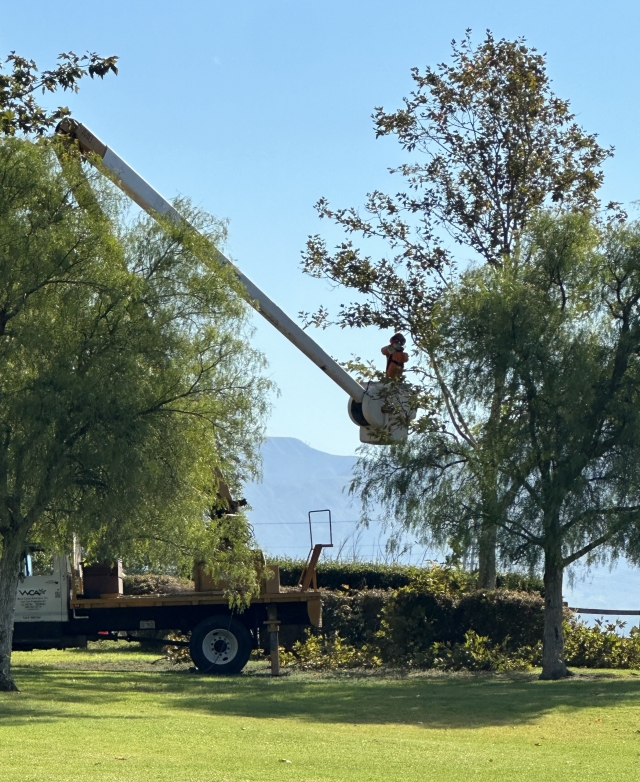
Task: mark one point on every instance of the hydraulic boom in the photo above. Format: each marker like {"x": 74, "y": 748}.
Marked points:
{"x": 366, "y": 407}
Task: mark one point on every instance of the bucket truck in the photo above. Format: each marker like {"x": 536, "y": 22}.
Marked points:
{"x": 61, "y": 605}
{"x": 68, "y": 605}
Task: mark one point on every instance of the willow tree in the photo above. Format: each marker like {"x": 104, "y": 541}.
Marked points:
{"x": 486, "y": 144}
{"x": 126, "y": 378}
{"x": 566, "y": 449}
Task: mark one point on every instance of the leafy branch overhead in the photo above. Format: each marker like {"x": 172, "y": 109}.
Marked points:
{"x": 20, "y": 112}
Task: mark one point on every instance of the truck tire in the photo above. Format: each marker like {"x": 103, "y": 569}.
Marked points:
{"x": 220, "y": 645}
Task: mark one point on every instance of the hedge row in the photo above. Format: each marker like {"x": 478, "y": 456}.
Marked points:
{"x": 368, "y": 575}
{"x": 338, "y": 576}
{"x": 435, "y": 614}
{"x": 482, "y": 630}
{"x": 404, "y": 624}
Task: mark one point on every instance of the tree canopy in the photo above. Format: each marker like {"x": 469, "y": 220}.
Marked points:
{"x": 126, "y": 377}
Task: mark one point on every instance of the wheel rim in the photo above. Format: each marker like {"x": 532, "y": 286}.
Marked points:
{"x": 220, "y": 646}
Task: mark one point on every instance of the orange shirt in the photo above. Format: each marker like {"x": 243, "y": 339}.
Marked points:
{"x": 395, "y": 361}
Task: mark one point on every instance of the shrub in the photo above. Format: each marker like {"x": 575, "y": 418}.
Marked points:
{"x": 601, "y": 646}
{"x": 443, "y": 580}
{"x": 520, "y": 582}
{"x": 330, "y": 652}
{"x": 436, "y": 609}
{"x": 354, "y": 616}
{"x": 411, "y": 621}
{"x": 505, "y": 617}
{"x": 478, "y": 653}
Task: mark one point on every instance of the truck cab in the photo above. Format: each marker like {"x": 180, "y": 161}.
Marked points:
{"x": 43, "y": 589}
{"x": 42, "y": 616}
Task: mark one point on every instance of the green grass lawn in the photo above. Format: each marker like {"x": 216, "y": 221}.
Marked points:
{"x": 105, "y": 715}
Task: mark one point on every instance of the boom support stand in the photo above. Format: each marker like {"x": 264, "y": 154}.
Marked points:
{"x": 273, "y": 625}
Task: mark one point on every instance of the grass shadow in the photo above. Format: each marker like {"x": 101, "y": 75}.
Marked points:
{"x": 431, "y": 701}
{"x": 442, "y": 702}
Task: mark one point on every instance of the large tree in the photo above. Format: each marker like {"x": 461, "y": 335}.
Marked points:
{"x": 487, "y": 145}
{"x": 566, "y": 447}
{"x": 128, "y": 385}
{"x": 125, "y": 377}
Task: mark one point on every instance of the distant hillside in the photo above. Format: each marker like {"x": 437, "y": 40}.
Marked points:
{"x": 297, "y": 479}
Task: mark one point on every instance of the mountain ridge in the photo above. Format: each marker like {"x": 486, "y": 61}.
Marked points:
{"x": 296, "y": 479}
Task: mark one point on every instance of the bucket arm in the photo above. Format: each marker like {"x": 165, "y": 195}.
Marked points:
{"x": 140, "y": 191}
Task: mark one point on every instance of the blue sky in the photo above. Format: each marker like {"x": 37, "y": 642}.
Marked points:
{"x": 256, "y": 109}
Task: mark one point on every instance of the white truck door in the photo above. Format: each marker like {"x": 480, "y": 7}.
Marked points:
{"x": 42, "y": 591}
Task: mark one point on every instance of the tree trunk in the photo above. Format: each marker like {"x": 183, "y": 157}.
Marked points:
{"x": 489, "y": 492}
{"x": 487, "y": 555}
{"x": 553, "y": 665}
{"x": 12, "y": 547}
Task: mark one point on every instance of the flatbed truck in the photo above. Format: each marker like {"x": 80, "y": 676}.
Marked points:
{"x": 50, "y": 614}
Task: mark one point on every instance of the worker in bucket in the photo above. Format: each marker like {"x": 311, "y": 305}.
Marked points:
{"x": 396, "y": 357}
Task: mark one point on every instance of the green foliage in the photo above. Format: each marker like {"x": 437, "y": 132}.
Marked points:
{"x": 416, "y": 616}
{"x": 601, "y": 646}
{"x": 372, "y": 575}
{"x": 126, "y": 367}
{"x": 526, "y": 365}
{"x": 411, "y": 622}
{"x": 552, "y": 336}
{"x": 354, "y": 616}
{"x": 489, "y": 145}
{"x": 348, "y": 575}
{"x": 329, "y": 652}
{"x": 478, "y": 653}
{"x": 19, "y": 111}
{"x": 514, "y": 619}
{"x": 126, "y": 379}
{"x": 436, "y": 611}
{"x": 520, "y": 582}
{"x": 436, "y": 620}
{"x": 433, "y": 623}
{"x": 418, "y": 638}
{"x": 475, "y": 653}
{"x": 439, "y": 580}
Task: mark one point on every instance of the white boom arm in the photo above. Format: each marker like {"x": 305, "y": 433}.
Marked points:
{"x": 152, "y": 202}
